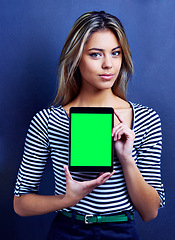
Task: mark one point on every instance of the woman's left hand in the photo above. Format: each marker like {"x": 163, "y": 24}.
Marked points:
{"x": 123, "y": 140}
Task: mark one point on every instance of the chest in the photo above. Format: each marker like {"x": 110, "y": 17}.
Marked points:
{"x": 126, "y": 115}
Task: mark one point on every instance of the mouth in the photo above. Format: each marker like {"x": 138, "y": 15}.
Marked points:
{"x": 107, "y": 76}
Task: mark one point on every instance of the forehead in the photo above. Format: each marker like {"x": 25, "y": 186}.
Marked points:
{"x": 102, "y": 39}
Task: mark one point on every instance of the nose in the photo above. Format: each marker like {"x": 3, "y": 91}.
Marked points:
{"x": 107, "y": 63}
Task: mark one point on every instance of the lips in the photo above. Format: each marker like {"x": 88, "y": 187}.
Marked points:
{"x": 107, "y": 76}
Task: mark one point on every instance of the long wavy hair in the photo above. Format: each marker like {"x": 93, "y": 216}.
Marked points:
{"x": 68, "y": 71}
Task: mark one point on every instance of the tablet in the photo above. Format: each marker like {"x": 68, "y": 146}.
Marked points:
{"x": 90, "y": 140}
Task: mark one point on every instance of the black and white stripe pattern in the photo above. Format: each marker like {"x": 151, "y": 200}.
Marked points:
{"x": 48, "y": 135}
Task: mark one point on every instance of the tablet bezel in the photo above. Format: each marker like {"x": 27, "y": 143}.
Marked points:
{"x": 100, "y": 110}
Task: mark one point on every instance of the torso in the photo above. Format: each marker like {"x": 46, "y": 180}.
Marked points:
{"x": 52, "y": 126}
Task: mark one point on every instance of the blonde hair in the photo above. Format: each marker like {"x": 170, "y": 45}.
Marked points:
{"x": 68, "y": 71}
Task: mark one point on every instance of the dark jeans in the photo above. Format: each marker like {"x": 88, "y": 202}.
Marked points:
{"x": 65, "y": 228}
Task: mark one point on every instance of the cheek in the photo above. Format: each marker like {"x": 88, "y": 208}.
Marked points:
{"x": 118, "y": 67}
{"x": 88, "y": 67}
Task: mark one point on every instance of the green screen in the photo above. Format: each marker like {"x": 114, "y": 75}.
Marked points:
{"x": 91, "y": 141}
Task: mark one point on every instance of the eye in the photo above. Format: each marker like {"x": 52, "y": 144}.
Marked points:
{"x": 95, "y": 55}
{"x": 116, "y": 53}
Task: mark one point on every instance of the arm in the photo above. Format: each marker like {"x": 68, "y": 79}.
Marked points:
{"x": 143, "y": 196}
{"x": 33, "y": 204}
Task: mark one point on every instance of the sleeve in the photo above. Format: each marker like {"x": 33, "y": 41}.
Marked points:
{"x": 149, "y": 155}
{"x": 35, "y": 156}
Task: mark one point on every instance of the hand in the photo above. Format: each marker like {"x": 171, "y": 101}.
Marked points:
{"x": 123, "y": 140}
{"x": 75, "y": 191}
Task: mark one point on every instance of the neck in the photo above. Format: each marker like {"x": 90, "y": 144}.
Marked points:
{"x": 100, "y": 98}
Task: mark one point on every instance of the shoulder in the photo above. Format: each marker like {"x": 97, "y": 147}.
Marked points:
{"x": 144, "y": 115}
{"x": 43, "y": 116}
{"x": 52, "y": 110}
{"x": 145, "y": 110}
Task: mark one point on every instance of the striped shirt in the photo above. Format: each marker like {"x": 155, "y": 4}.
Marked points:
{"x": 48, "y": 136}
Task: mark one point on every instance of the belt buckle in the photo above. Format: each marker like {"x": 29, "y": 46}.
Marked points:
{"x": 86, "y": 219}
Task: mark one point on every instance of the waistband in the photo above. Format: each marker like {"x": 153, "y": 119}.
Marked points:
{"x": 89, "y": 219}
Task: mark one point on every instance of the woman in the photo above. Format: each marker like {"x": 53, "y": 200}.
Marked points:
{"x": 95, "y": 66}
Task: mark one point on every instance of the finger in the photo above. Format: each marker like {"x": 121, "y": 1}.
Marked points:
{"x": 119, "y": 117}
{"x": 107, "y": 177}
{"x": 100, "y": 173}
{"x": 122, "y": 127}
{"x": 119, "y": 133}
{"x": 116, "y": 128}
{"x": 104, "y": 177}
{"x": 121, "y": 136}
{"x": 98, "y": 181}
{"x": 124, "y": 133}
{"x": 67, "y": 173}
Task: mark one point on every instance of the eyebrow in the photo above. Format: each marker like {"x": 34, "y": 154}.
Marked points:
{"x": 101, "y": 50}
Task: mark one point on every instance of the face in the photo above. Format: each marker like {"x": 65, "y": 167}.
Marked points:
{"x": 101, "y": 60}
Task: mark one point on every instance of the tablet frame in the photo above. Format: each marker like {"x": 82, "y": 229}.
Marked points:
{"x": 99, "y": 110}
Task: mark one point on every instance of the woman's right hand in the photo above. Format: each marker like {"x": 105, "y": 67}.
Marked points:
{"x": 34, "y": 204}
{"x": 75, "y": 190}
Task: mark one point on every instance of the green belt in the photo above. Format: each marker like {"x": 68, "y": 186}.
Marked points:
{"x": 88, "y": 219}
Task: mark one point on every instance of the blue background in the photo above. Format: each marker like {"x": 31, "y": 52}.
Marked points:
{"x": 32, "y": 34}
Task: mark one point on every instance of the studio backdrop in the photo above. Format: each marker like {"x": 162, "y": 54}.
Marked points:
{"x": 32, "y": 34}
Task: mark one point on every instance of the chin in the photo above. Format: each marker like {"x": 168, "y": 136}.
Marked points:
{"x": 107, "y": 86}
